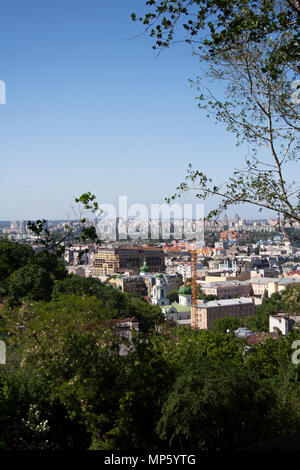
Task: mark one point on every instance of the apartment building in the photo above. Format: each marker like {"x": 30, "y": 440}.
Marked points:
{"x": 227, "y": 289}
{"x": 115, "y": 260}
{"x": 207, "y": 312}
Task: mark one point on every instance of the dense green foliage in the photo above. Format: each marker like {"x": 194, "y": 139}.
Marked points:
{"x": 217, "y": 406}
{"x": 71, "y": 382}
{"x": 67, "y": 383}
{"x": 32, "y": 282}
{"x": 12, "y": 257}
{"x": 173, "y": 296}
{"x": 122, "y": 304}
{"x": 31, "y": 419}
{"x": 27, "y": 274}
{"x": 226, "y": 323}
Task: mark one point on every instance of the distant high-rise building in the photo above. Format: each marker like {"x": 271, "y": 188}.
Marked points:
{"x": 13, "y": 226}
{"x": 225, "y": 220}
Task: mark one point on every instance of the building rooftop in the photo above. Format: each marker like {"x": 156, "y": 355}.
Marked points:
{"x": 179, "y": 307}
{"x": 184, "y": 322}
{"x": 224, "y": 283}
{"x": 266, "y": 280}
{"x": 243, "y": 332}
{"x": 223, "y": 303}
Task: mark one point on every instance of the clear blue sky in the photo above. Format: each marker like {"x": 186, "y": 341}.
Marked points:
{"x": 91, "y": 108}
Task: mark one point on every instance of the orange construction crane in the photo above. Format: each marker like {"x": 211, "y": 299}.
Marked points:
{"x": 194, "y": 288}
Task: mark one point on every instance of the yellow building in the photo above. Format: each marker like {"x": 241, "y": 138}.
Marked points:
{"x": 105, "y": 262}
{"x": 114, "y": 260}
{"x": 207, "y": 312}
{"x": 134, "y": 285}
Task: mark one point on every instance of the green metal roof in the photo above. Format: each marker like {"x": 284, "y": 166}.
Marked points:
{"x": 179, "y": 308}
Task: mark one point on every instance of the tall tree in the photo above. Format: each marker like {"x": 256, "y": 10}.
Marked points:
{"x": 252, "y": 51}
{"x": 260, "y": 112}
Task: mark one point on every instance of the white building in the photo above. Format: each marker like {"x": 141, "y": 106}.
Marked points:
{"x": 283, "y": 322}
{"x": 159, "y": 291}
{"x": 180, "y": 312}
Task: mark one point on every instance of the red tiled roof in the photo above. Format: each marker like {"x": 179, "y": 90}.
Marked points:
{"x": 258, "y": 338}
{"x": 253, "y": 339}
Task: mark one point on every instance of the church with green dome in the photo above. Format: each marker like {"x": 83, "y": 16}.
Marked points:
{"x": 145, "y": 268}
{"x": 185, "y": 290}
{"x": 180, "y": 311}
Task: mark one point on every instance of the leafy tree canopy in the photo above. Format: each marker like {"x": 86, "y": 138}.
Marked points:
{"x": 31, "y": 282}
{"x": 226, "y": 323}
{"x": 13, "y": 256}
{"x": 214, "y": 26}
{"x": 214, "y": 406}
{"x": 173, "y": 296}
{"x": 251, "y": 49}
{"x": 31, "y": 420}
{"x": 261, "y": 113}
{"x": 123, "y": 304}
